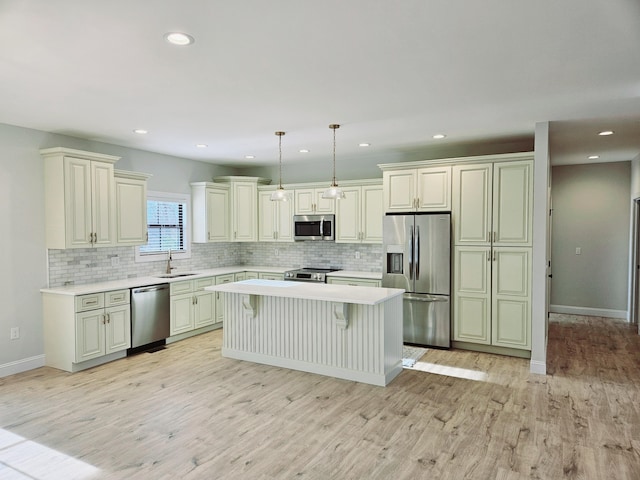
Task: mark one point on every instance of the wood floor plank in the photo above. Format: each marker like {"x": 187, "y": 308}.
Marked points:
{"x": 186, "y": 412}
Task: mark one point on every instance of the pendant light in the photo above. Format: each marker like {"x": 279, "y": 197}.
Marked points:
{"x": 280, "y": 195}
{"x": 334, "y": 192}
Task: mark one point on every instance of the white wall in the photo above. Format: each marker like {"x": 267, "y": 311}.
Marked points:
{"x": 591, "y": 211}
{"x": 22, "y": 247}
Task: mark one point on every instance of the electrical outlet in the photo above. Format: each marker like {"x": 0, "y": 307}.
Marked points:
{"x": 357, "y": 255}
{"x": 276, "y": 252}
{"x": 578, "y": 251}
{"x": 115, "y": 261}
{"x": 15, "y": 333}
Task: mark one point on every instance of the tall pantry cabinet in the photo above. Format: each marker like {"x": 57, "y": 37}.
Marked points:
{"x": 492, "y": 234}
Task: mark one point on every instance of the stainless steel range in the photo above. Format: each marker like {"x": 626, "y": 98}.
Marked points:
{"x": 318, "y": 275}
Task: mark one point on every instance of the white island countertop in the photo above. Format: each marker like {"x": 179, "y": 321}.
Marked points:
{"x": 310, "y": 291}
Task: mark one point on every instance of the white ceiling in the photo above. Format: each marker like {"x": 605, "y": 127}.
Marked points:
{"x": 393, "y": 73}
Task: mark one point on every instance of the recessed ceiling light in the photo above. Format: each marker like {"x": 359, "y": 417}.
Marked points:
{"x": 201, "y": 145}
{"x": 249, "y": 157}
{"x": 140, "y": 131}
{"x": 438, "y": 136}
{"x": 364, "y": 144}
{"x": 179, "y": 38}
{"x": 593, "y": 157}
{"x": 303, "y": 150}
{"x": 606, "y": 132}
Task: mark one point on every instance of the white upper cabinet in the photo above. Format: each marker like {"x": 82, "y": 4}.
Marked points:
{"x": 492, "y": 203}
{"x": 131, "y": 208}
{"x": 359, "y": 215}
{"x": 80, "y": 198}
{"x": 309, "y": 201}
{"x": 243, "y": 206}
{"x": 210, "y": 212}
{"x": 275, "y": 222}
{"x": 426, "y": 189}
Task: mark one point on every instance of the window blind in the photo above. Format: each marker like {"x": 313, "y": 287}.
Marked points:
{"x": 165, "y": 223}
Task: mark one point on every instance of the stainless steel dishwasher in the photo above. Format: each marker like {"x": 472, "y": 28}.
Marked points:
{"x": 149, "y": 316}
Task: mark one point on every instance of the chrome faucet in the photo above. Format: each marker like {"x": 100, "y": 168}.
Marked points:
{"x": 169, "y": 267}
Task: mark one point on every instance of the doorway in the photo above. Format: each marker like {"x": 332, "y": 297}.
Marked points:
{"x": 635, "y": 264}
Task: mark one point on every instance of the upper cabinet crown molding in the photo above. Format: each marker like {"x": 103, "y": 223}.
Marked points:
{"x": 70, "y": 152}
{"x": 503, "y": 157}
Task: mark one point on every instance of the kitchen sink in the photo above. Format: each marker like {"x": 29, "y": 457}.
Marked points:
{"x": 175, "y": 275}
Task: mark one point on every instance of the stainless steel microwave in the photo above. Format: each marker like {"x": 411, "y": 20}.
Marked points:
{"x": 314, "y": 227}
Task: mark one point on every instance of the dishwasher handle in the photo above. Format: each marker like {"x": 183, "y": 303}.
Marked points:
{"x": 151, "y": 288}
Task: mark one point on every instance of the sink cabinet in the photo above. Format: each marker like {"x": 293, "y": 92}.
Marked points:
{"x": 191, "y": 307}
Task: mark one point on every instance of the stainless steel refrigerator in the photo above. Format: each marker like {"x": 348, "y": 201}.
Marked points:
{"x": 417, "y": 257}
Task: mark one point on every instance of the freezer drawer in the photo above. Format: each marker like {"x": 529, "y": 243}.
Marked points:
{"x": 427, "y": 320}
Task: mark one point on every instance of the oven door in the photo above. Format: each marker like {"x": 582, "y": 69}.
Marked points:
{"x": 313, "y": 227}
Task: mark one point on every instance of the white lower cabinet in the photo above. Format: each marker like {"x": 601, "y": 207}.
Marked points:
{"x": 271, "y": 276}
{"x": 220, "y": 279}
{"x": 191, "y": 306}
{"x": 492, "y": 296}
{"x": 85, "y": 330}
{"x": 359, "y": 282}
{"x": 245, "y": 276}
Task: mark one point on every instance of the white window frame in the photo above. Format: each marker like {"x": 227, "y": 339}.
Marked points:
{"x": 162, "y": 256}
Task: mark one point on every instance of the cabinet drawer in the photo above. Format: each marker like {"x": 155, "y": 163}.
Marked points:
{"x": 357, "y": 282}
{"x": 176, "y": 288}
{"x": 117, "y": 297}
{"x": 225, "y": 279}
{"x": 200, "y": 283}
{"x": 90, "y": 301}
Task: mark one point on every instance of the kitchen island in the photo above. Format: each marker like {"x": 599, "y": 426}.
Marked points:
{"x": 348, "y": 332}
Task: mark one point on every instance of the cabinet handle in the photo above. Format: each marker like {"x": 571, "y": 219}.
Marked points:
{"x": 95, "y": 238}
{"x": 418, "y": 202}
{"x": 104, "y": 319}
{"x": 208, "y": 235}
{"x": 147, "y": 237}
{"x": 235, "y": 235}
{"x": 108, "y": 318}
{"x": 494, "y": 237}
{"x": 494, "y": 255}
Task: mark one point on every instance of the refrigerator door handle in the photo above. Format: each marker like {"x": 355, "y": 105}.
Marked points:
{"x": 416, "y": 251}
{"x": 411, "y": 254}
{"x": 425, "y": 297}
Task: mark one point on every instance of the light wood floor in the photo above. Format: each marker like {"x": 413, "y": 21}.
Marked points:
{"x": 187, "y": 413}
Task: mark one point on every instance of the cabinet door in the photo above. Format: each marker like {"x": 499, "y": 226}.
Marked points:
{"x": 117, "y": 329}
{"x": 472, "y": 204}
{"x": 131, "y": 212}
{"x": 511, "y": 302}
{"x": 434, "y": 189}
{"x": 472, "y": 295}
{"x": 356, "y": 282}
{"x": 220, "y": 296}
{"x": 324, "y": 205}
{"x": 305, "y": 201}
{"x": 371, "y": 214}
{"x": 181, "y": 313}
{"x": 77, "y": 202}
{"x": 217, "y": 215}
{"x": 204, "y": 309}
{"x": 512, "y": 203}
{"x": 284, "y": 220}
{"x": 348, "y": 216}
{"x": 245, "y": 212}
{"x": 90, "y": 327}
{"x": 399, "y": 190}
{"x": 103, "y": 203}
{"x": 267, "y": 217}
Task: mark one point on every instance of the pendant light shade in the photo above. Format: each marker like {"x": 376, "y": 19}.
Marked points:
{"x": 280, "y": 195}
{"x": 334, "y": 192}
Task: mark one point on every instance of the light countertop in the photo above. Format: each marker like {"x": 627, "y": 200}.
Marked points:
{"x": 152, "y": 280}
{"x": 311, "y": 291}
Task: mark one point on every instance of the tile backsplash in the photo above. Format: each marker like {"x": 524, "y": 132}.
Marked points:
{"x": 91, "y": 265}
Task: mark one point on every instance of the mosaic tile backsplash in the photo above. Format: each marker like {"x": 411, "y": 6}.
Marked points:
{"x": 92, "y": 265}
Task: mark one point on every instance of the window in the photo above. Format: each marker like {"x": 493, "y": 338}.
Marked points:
{"x": 167, "y": 224}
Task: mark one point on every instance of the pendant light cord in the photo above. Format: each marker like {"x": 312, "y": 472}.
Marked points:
{"x": 280, "y": 155}
{"x": 334, "y": 127}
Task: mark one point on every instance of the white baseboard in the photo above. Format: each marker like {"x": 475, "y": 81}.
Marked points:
{"x": 538, "y": 367}
{"x": 22, "y": 365}
{"x": 593, "y": 312}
